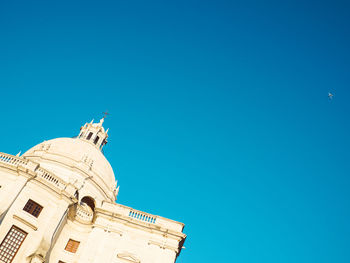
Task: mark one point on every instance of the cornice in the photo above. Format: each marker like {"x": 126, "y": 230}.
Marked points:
{"x": 147, "y": 227}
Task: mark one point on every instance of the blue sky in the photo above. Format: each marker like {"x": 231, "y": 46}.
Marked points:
{"x": 219, "y": 113}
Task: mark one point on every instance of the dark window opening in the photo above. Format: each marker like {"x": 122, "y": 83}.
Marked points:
{"x": 89, "y": 136}
{"x": 96, "y": 139}
{"x": 33, "y": 208}
{"x": 89, "y": 201}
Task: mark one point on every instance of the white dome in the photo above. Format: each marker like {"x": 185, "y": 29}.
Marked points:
{"x": 78, "y": 155}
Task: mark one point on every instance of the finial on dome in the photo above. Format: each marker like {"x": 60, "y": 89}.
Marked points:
{"x": 101, "y": 122}
{"x": 116, "y": 192}
{"x": 115, "y": 184}
{"x": 105, "y": 114}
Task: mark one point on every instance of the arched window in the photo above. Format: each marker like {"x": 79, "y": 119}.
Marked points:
{"x": 96, "y": 139}
{"x": 89, "y": 201}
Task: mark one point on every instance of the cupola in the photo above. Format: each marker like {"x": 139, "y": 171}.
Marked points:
{"x": 94, "y": 133}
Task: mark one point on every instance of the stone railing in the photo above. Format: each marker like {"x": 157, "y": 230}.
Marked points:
{"x": 41, "y": 174}
{"x": 50, "y": 178}
{"x": 131, "y": 214}
{"x": 83, "y": 215}
{"x": 12, "y": 160}
{"x": 142, "y": 216}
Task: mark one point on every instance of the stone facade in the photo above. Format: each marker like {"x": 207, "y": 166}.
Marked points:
{"x": 58, "y": 204}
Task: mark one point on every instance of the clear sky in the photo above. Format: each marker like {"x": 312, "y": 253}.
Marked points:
{"x": 219, "y": 113}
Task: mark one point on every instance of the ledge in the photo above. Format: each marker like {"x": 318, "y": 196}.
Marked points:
{"x": 25, "y": 222}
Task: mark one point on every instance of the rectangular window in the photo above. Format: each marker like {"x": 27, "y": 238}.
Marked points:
{"x": 33, "y": 208}
{"x": 96, "y": 139}
{"x": 72, "y": 246}
{"x": 89, "y": 136}
{"x": 11, "y": 244}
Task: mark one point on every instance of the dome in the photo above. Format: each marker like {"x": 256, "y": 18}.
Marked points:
{"x": 77, "y": 159}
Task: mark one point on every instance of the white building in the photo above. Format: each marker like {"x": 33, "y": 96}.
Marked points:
{"x": 58, "y": 205}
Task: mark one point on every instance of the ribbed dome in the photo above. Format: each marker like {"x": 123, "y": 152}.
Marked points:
{"x": 60, "y": 154}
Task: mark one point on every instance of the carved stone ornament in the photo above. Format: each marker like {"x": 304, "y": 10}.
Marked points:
{"x": 127, "y": 257}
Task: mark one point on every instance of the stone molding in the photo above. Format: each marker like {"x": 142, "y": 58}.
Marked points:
{"x": 25, "y": 222}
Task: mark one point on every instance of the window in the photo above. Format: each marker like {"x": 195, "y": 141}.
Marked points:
{"x": 72, "y": 246}
{"x": 89, "y": 201}
{"x": 11, "y": 244}
{"x": 96, "y": 139}
{"x": 61, "y": 261}
{"x": 33, "y": 208}
{"x": 89, "y": 136}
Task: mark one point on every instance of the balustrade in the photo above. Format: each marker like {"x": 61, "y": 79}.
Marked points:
{"x": 12, "y": 160}
{"x": 50, "y": 178}
{"x": 84, "y": 215}
{"x": 142, "y": 216}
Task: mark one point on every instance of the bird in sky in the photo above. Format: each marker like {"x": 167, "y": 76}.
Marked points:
{"x": 330, "y": 95}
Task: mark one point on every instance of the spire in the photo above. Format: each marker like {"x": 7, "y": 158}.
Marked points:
{"x": 94, "y": 133}
{"x": 101, "y": 122}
